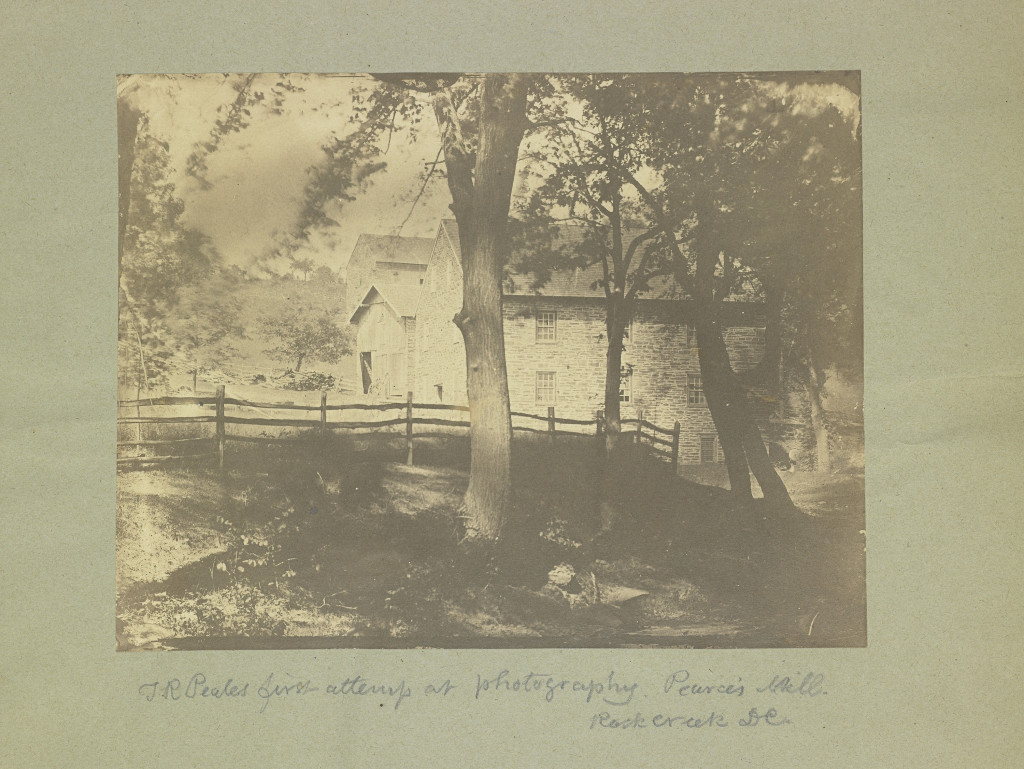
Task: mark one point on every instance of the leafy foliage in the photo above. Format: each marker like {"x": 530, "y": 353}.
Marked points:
{"x": 159, "y": 253}
{"x": 302, "y": 333}
{"x": 236, "y": 116}
{"x": 351, "y": 159}
{"x": 160, "y": 256}
{"x": 755, "y": 178}
{"x": 769, "y": 172}
{"x": 144, "y": 353}
{"x": 206, "y": 320}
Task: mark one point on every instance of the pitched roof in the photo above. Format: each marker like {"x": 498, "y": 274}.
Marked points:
{"x": 451, "y": 229}
{"x": 525, "y": 236}
{"x": 370, "y": 249}
{"x": 579, "y": 282}
{"x": 400, "y": 298}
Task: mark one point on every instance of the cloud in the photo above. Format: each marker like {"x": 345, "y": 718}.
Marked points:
{"x": 257, "y": 175}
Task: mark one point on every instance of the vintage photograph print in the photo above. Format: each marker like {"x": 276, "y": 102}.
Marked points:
{"x": 490, "y": 360}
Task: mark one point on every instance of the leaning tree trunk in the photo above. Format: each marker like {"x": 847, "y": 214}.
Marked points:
{"x": 481, "y": 190}
{"x": 738, "y": 433}
{"x": 722, "y": 394}
{"x": 717, "y": 379}
{"x": 819, "y": 428}
{"x": 774, "y": 490}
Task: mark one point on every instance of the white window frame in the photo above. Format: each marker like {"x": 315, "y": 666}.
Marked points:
{"x": 701, "y": 401}
{"x": 553, "y": 328}
{"x": 626, "y": 384}
{"x": 553, "y": 389}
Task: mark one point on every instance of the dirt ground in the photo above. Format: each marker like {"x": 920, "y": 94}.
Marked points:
{"x": 299, "y": 545}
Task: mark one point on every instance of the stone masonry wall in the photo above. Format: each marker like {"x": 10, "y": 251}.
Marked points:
{"x": 658, "y": 350}
{"x": 575, "y": 357}
{"x": 440, "y": 359}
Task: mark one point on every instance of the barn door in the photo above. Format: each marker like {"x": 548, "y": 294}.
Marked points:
{"x": 366, "y": 367}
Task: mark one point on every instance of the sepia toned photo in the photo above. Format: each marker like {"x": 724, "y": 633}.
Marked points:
{"x": 490, "y": 360}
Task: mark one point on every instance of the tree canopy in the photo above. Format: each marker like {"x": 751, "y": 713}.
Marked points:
{"x": 300, "y": 333}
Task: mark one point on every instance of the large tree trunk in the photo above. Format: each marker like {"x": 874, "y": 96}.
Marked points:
{"x": 481, "y": 194}
{"x": 819, "y": 428}
{"x": 772, "y": 486}
{"x": 722, "y": 393}
{"x": 738, "y": 433}
{"x": 717, "y": 378}
{"x": 616, "y": 327}
{"x": 610, "y": 461}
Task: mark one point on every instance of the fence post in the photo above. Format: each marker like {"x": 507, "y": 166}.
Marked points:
{"x": 639, "y": 425}
{"x": 675, "y": 447}
{"x": 408, "y": 428}
{"x": 220, "y": 426}
{"x": 551, "y": 423}
{"x": 599, "y": 419}
{"x": 323, "y": 419}
{"x": 138, "y": 413}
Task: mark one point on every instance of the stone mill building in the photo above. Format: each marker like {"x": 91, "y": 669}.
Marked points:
{"x": 555, "y": 342}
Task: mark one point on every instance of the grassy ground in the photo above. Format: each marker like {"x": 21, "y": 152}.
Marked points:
{"x": 298, "y": 545}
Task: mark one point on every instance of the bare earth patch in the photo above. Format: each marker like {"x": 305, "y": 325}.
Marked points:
{"x": 368, "y": 552}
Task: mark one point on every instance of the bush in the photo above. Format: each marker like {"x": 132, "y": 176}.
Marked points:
{"x": 307, "y": 380}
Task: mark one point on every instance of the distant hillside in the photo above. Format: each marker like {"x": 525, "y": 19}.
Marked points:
{"x": 247, "y": 357}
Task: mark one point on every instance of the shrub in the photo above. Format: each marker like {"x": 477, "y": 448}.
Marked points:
{"x": 307, "y": 380}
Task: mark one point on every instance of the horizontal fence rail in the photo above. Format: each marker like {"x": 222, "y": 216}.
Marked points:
{"x": 642, "y": 432}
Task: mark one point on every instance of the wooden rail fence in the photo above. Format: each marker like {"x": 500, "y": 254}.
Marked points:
{"x": 663, "y": 443}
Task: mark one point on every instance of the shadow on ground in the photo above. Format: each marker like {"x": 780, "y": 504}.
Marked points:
{"x": 303, "y": 544}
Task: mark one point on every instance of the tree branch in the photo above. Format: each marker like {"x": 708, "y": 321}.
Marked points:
{"x": 423, "y": 187}
{"x": 458, "y": 160}
{"x": 584, "y": 189}
{"x": 556, "y": 123}
{"x": 635, "y": 243}
{"x": 663, "y": 222}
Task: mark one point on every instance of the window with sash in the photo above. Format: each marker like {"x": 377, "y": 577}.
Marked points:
{"x": 695, "y": 390}
{"x": 547, "y": 321}
{"x": 626, "y": 384}
{"x": 545, "y": 388}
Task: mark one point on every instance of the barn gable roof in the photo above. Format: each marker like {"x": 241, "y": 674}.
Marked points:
{"x": 400, "y": 298}
{"x": 370, "y": 249}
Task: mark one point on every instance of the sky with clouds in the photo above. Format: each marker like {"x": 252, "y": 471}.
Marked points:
{"x": 258, "y": 174}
